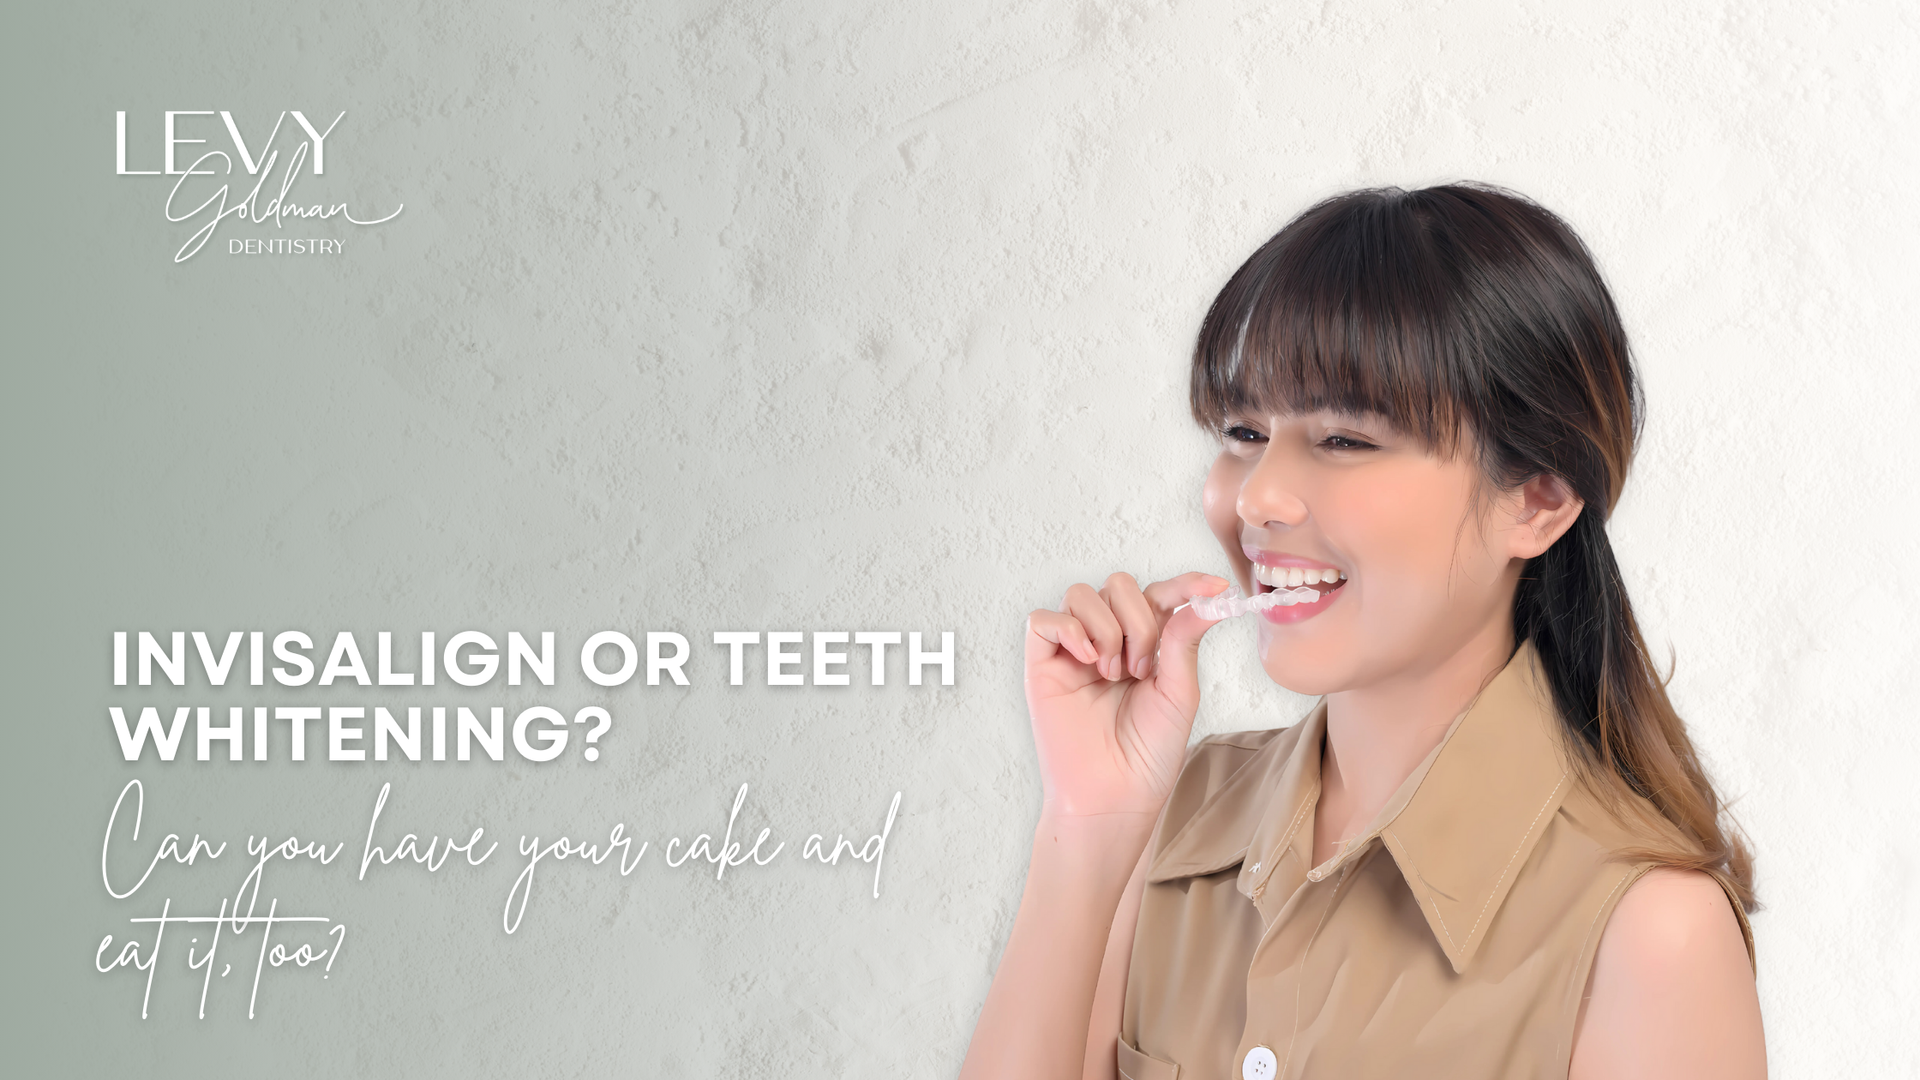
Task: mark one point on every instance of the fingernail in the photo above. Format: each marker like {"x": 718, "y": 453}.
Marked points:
{"x": 1140, "y": 668}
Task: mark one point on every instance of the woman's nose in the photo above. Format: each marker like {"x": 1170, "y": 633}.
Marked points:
{"x": 1270, "y": 496}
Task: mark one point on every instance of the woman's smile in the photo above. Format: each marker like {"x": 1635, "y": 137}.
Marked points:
{"x": 1278, "y": 570}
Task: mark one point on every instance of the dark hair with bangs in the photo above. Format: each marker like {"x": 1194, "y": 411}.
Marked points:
{"x": 1468, "y": 308}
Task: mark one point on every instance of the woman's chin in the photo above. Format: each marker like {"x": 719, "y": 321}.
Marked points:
{"x": 1300, "y": 666}
{"x": 1289, "y": 673}
{"x": 1305, "y": 687}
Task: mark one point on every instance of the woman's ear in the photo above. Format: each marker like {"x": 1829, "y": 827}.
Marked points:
{"x": 1545, "y": 507}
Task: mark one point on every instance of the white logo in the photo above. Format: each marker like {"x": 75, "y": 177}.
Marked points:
{"x": 259, "y": 162}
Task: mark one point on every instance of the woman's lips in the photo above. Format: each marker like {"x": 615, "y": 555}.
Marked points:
{"x": 1278, "y": 570}
{"x": 1268, "y": 564}
{"x": 1303, "y": 612}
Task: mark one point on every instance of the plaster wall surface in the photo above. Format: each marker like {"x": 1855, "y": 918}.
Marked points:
{"x": 873, "y": 315}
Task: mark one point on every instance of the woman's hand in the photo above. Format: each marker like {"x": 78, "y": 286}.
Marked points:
{"x": 1112, "y": 686}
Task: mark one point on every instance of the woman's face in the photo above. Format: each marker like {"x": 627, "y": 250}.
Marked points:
{"x": 1414, "y": 562}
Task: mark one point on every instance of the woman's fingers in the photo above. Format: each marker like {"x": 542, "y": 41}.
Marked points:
{"x": 1117, "y": 630}
{"x": 1167, "y": 595}
{"x": 1152, "y": 609}
{"x": 1179, "y": 664}
{"x": 1101, "y": 627}
{"x": 1139, "y": 625}
{"x": 1047, "y": 630}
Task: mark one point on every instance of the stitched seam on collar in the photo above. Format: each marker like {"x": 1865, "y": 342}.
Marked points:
{"x": 1452, "y": 946}
{"x": 1159, "y": 868}
{"x": 1555, "y": 794}
{"x": 1307, "y": 802}
{"x": 1286, "y": 837}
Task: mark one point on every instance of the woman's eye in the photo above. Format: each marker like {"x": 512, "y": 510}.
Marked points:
{"x": 1346, "y": 442}
{"x": 1241, "y": 433}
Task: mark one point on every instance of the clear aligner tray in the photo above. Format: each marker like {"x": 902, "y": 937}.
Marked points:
{"x": 1234, "y": 603}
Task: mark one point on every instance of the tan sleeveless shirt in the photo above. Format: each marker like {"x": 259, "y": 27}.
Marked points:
{"x": 1451, "y": 938}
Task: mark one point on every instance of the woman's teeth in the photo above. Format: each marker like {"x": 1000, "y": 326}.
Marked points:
{"x": 1290, "y": 585}
{"x": 1232, "y": 603}
{"x": 1282, "y": 577}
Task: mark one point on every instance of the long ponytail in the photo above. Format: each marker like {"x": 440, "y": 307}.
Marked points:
{"x": 1573, "y": 606}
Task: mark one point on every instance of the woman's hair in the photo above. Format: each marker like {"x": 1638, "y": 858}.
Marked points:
{"x": 1469, "y": 309}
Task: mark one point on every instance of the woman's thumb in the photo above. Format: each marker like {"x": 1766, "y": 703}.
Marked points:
{"x": 1177, "y": 673}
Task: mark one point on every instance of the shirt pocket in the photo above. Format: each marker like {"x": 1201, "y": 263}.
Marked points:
{"x": 1135, "y": 1065}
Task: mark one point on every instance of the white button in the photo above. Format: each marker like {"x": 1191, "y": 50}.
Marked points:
{"x": 1259, "y": 1065}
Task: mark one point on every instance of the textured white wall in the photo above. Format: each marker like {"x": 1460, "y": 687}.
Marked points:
{"x": 875, "y": 315}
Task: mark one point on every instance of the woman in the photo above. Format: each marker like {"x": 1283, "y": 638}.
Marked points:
{"x": 1490, "y": 850}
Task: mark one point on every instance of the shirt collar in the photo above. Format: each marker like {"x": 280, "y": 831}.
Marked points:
{"x": 1459, "y": 828}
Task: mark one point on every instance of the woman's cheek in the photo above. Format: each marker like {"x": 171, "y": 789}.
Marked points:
{"x": 1397, "y": 607}
{"x": 1219, "y": 504}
